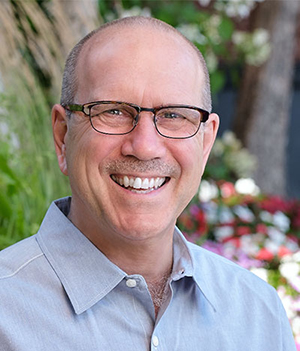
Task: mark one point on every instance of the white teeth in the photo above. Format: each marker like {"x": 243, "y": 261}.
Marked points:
{"x": 145, "y": 184}
{"x": 126, "y": 182}
{"x": 151, "y": 183}
{"x": 139, "y": 183}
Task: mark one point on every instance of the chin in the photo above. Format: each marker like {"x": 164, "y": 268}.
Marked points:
{"x": 139, "y": 230}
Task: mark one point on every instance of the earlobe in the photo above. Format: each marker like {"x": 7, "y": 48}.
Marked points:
{"x": 209, "y": 136}
{"x": 60, "y": 129}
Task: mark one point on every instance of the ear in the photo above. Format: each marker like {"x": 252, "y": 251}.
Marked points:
{"x": 209, "y": 135}
{"x": 60, "y": 128}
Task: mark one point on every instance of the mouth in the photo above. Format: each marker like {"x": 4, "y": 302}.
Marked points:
{"x": 140, "y": 185}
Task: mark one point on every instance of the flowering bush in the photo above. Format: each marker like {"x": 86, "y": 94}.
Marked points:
{"x": 258, "y": 232}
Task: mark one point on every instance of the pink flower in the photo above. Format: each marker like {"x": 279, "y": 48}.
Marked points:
{"x": 283, "y": 251}
{"x": 261, "y": 228}
{"x": 227, "y": 189}
{"x": 242, "y": 230}
{"x": 264, "y": 255}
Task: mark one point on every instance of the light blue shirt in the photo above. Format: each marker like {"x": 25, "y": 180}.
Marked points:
{"x": 59, "y": 292}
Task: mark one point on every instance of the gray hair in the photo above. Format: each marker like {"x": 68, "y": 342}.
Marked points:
{"x": 70, "y": 80}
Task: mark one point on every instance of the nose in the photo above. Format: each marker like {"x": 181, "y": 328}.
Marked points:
{"x": 144, "y": 142}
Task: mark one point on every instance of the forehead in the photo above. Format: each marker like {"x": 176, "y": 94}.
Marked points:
{"x": 144, "y": 56}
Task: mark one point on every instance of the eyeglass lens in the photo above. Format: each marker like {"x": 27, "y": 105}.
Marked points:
{"x": 120, "y": 118}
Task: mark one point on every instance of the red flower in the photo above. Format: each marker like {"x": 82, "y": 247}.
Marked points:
{"x": 274, "y": 204}
{"x": 242, "y": 230}
{"x": 264, "y": 255}
{"x": 227, "y": 189}
{"x": 296, "y": 219}
{"x": 236, "y": 242}
{"x": 201, "y": 222}
{"x": 283, "y": 251}
{"x": 261, "y": 228}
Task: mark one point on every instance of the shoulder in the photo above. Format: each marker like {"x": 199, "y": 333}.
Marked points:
{"x": 220, "y": 275}
{"x": 18, "y": 256}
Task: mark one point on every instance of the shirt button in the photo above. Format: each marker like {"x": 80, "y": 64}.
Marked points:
{"x": 131, "y": 283}
{"x": 155, "y": 340}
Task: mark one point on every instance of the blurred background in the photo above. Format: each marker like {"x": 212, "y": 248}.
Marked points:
{"x": 253, "y": 54}
{"x": 248, "y": 205}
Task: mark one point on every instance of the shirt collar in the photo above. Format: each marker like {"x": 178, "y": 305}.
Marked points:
{"x": 191, "y": 260}
{"x": 84, "y": 271}
{"x": 86, "y": 274}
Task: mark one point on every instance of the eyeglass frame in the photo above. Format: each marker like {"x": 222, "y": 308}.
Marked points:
{"x": 86, "y": 109}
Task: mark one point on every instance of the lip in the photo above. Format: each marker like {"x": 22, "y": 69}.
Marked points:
{"x": 140, "y": 185}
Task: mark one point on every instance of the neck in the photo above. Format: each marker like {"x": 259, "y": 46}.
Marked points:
{"x": 158, "y": 291}
{"x": 152, "y": 259}
{"x": 147, "y": 254}
{"x": 153, "y": 262}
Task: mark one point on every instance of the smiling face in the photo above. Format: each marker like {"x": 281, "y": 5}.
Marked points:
{"x": 132, "y": 187}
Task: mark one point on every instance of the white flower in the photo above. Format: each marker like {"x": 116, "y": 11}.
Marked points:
{"x": 262, "y": 273}
{"x": 289, "y": 270}
{"x": 250, "y": 244}
{"x": 266, "y": 216}
{"x": 211, "y": 61}
{"x": 218, "y": 148}
{"x": 235, "y": 8}
{"x": 136, "y": 11}
{"x": 246, "y": 186}
{"x": 296, "y": 325}
{"x": 208, "y": 191}
{"x": 260, "y": 37}
{"x": 225, "y": 215}
{"x": 211, "y": 211}
{"x": 238, "y": 37}
{"x": 223, "y": 232}
{"x": 287, "y": 302}
{"x": 281, "y": 221}
{"x": 272, "y": 246}
{"x": 192, "y": 32}
{"x": 243, "y": 10}
{"x": 244, "y": 213}
{"x": 296, "y": 256}
{"x": 204, "y": 2}
{"x": 229, "y": 138}
{"x": 276, "y": 236}
{"x": 291, "y": 245}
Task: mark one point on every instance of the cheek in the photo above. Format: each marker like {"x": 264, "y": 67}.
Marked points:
{"x": 190, "y": 158}
{"x": 89, "y": 153}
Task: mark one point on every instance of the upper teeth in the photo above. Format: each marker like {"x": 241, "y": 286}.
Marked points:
{"x": 139, "y": 183}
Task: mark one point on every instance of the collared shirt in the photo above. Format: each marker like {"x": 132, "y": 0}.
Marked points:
{"x": 59, "y": 292}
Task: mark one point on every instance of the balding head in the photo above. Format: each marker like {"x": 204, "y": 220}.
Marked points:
{"x": 71, "y": 85}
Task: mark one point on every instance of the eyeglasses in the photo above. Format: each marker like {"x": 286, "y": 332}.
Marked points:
{"x": 119, "y": 118}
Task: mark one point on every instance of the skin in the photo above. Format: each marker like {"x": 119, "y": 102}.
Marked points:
{"x": 148, "y": 67}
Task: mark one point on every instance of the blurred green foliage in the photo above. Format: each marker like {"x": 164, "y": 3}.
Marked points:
{"x": 212, "y": 28}
{"x": 29, "y": 176}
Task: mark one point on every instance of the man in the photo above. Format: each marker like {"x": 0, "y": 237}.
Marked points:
{"x": 107, "y": 269}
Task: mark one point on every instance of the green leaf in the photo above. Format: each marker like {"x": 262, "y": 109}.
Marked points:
{"x": 226, "y": 28}
{"x": 217, "y": 81}
{"x": 5, "y": 208}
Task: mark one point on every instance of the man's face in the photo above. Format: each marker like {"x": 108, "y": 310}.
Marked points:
{"x": 147, "y": 68}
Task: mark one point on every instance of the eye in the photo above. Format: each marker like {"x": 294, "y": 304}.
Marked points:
{"x": 115, "y": 112}
{"x": 171, "y": 115}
